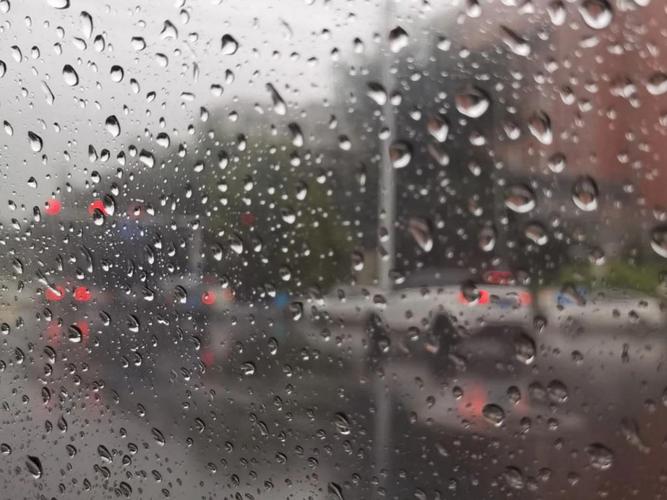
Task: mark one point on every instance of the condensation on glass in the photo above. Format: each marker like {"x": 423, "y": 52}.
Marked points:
{"x": 330, "y": 249}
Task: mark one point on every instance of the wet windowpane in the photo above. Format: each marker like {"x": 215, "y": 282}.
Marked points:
{"x": 333, "y": 249}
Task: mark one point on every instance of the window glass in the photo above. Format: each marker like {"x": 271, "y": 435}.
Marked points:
{"x": 333, "y": 249}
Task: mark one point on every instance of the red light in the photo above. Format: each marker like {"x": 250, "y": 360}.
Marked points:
{"x": 248, "y": 218}
{"x": 484, "y": 298}
{"x": 207, "y": 357}
{"x": 97, "y": 204}
{"x": 208, "y": 298}
{"x": 473, "y": 401}
{"x": 53, "y": 332}
{"x": 525, "y": 298}
{"x": 84, "y": 327}
{"x": 53, "y": 207}
{"x": 499, "y": 277}
{"x": 55, "y": 295}
{"x": 82, "y": 294}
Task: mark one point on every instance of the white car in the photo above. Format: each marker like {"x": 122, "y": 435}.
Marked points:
{"x": 424, "y": 297}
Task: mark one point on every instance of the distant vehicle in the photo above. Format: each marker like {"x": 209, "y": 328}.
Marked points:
{"x": 425, "y": 298}
{"x": 609, "y": 308}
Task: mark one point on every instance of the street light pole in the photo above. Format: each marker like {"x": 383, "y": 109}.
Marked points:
{"x": 387, "y": 177}
{"x": 386, "y": 259}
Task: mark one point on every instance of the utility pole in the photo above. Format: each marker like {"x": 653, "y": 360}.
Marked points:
{"x": 387, "y": 174}
{"x": 382, "y": 434}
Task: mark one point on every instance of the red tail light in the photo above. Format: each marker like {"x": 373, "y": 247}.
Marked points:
{"x": 53, "y": 331}
{"x": 525, "y": 298}
{"x": 84, "y": 327}
{"x": 208, "y": 298}
{"x": 499, "y": 277}
{"x": 483, "y": 298}
{"x": 96, "y": 205}
{"x": 53, "y": 207}
{"x": 247, "y": 218}
{"x": 82, "y": 294}
{"x": 473, "y": 401}
{"x": 207, "y": 357}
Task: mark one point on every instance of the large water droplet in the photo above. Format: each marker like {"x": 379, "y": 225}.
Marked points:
{"x": 585, "y": 194}
{"x": 516, "y": 43}
{"x": 472, "y": 102}
{"x": 657, "y": 83}
{"x": 279, "y": 106}
{"x": 377, "y": 93}
{"x": 74, "y": 334}
{"x": 34, "y": 466}
{"x": 659, "y": 241}
{"x": 535, "y": 232}
{"x": 138, "y": 43}
{"x": 557, "y": 163}
{"x": 86, "y": 24}
{"x": 169, "y": 31}
{"x": 334, "y": 492}
{"x": 297, "y": 134}
{"x": 248, "y": 368}
{"x": 35, "y": 142}
{"x": 342, "y": 424}
{"x": 597, "y": 14}
{"x": 514, "y": 478}
{"x": 62, "y": 424}
{"x": 539, "y": 125}
{"x": 125, "y": 489}
{"x": 420, "y": 229}
{"x": 180, "y": 294}
{"x": 520, "y": 199}
{"x": 116, "y": 73}
{"x": 296, "y": 310}
{"x": 470, "y": 293}
{"x": 58, "y": 4}
{"x": 487, "y": 239}
{"x": 524, "y": 348}
{"x": 438, "y": 127}
{"x": 557, "y": 12}
{"x": 287, "y": 215}
{"x": 158, "y": 436}
{"x": 70, "y": 76}
{"x": 557, "y": 392}
{"x": 400, "y": 154}
{"x": 229, "y": 45}
{"x": 147, "y": 158}
{"x": 599, "y": 456}
{"x": 398, "y": 39}
{"x": 357, "y": 261}
{"x": 112, "y": 125}
{"x": 473, "y": 9}
{"x": 98, "y": 217}
{"x": 104, "y": 454}
{"x": 109, "y": 204}
{"x": 494, "y": 414}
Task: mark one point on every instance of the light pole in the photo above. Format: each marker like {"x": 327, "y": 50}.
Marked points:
{"x": 386, "y": 259}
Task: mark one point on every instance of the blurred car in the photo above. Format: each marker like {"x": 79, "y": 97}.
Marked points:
{"x": 608, "y": 307}
{"x": 424, "y": 298}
